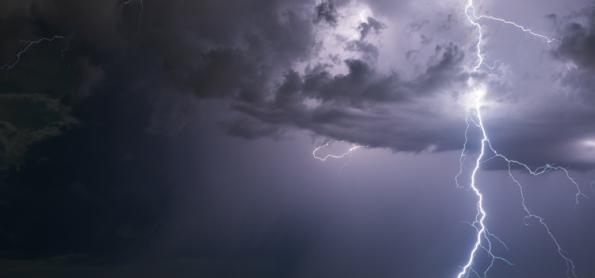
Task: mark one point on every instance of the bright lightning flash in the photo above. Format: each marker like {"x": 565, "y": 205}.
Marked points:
{"x": 474, "y": 116}
{"x": 333, "y": 156}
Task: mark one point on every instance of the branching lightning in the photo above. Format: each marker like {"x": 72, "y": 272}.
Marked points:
{"x": 547, "y": 39}
{"x": 27, "y": 46}
{"x": 474, "y": 115}
{"x": 464, "y": 152}
{"x": 333, "y": 156}
{"x": 484, "y": 239}
{"x": 480, "y": 217}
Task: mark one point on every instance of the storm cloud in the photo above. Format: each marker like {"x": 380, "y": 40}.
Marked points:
{"x": 343, "y": 70}
{"x": 173, "y": 138}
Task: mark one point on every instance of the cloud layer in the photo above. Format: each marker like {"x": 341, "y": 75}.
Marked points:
{"x": 389, "y": 74}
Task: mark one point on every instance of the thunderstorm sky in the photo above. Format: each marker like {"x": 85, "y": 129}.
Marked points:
{"x": 147, "y": 138}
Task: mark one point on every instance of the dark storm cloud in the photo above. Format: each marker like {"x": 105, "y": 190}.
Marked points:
{"x": 554, "y": 134}
{"x": 249, "y": 61}
{"x": 248, "y": 54}
{"x": 577, "y": 47}
{"x": 371, "y": 25}
{"x": 103, "y": 190}
{"x": 326, "y": 11}
{"x": 204, "y": 47}
{"x": 349, "y": 110}
{"x": 239, "y": 58}
{"x": 363, "y": 84}
{"x": 18, "y": 133}
{"x": 578, "y": 43}
{"x": 557, "y": 126}
{"x": 251, "y": 129}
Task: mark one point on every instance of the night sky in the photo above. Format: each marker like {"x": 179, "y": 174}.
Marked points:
{"x": 148, "y": 138}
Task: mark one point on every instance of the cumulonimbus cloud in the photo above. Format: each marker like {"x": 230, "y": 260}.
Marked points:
{"x": 347, "y": 70}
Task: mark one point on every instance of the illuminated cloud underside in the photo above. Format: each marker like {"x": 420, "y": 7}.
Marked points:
{"x": 474, "y": 102}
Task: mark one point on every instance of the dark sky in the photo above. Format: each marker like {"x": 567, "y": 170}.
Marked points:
{"x": 174, "y": 138}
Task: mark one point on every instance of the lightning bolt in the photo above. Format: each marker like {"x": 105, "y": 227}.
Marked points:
{"x": 483, "y": 237}
{"x": 464, "y": 152}
{"x": 547, "y": 39}
{"x": 479, "y": 224}
{"x": 27, "y": 46}
{"x": 333, "y": 156}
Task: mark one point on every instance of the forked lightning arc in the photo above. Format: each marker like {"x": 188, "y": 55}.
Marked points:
{"x": 474, "y": 119}
{"x": 479, "y": 91}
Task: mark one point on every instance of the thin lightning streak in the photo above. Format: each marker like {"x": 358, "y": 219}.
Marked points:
{"x": 494, "y": 257}
{"x": 475, "y": 272}
{"x": 498, "y": 239}
{"x": 470, "y": 14}
{"x": 333, "y": 156}
{"x": 543, "y": 170}
{"x": 518, "y": 26}
{"x": 490, "y": 252}
{"x": 570, "y": 267}
{"x": 571, "y": 270}
{"x": 479, "y": 223}
{"x": 463, "y": 154}
{"x": 27, "y": 47}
